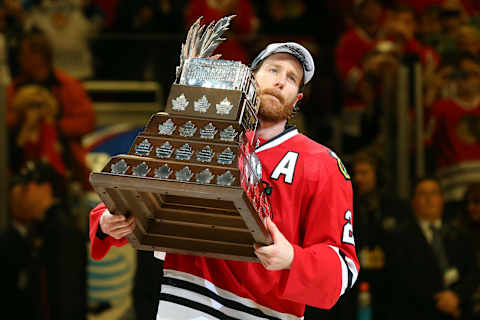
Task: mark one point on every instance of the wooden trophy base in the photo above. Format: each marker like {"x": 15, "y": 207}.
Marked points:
{"x": 185, "y": 218}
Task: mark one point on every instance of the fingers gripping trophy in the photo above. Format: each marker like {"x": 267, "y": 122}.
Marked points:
{"x": 191, "y": 179}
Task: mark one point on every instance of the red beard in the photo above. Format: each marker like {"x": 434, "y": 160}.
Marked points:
{"x": 274, "y": 110}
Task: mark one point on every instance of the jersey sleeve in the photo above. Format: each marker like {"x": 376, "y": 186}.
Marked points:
{"x": 98, "y": 247}
{"x": 325, "y": 264}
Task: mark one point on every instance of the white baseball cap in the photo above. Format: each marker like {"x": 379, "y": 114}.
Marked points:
{"x": 299, "y": 52}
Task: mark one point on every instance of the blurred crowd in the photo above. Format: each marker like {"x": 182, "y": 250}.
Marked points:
{"x": 419, "y": 255}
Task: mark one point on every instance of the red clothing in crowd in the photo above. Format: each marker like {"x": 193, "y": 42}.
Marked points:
{"x": 455, "y": 137}
{"x": 350, "y": 53}
{"x": 426, "y": 54}
{"x": 242, "y": 25}
{"x": 77, "y": 116}
{"x": 46, "y": 147}
{"x": 109, "y": 8}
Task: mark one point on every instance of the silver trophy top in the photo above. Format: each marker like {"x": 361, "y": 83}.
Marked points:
{"x": 201, "y": 41}
{"x": 218, "y": 74}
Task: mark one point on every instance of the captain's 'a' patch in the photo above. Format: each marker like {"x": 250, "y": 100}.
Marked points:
{"x": 286, "y": 166}
{"x": 341, "y": 167}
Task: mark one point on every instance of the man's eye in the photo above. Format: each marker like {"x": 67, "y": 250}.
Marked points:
{"x": 291, "y": 78}
{"x": 273, "y": 70}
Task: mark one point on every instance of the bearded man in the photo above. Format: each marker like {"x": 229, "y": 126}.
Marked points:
{"x": 312, "y": 260}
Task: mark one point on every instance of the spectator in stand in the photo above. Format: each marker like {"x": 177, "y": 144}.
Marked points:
{"x": 468, "y": 41}
{"x": 109, "y": 10}
{"x": 244, "y": 25}
{"x": 12, "y": 17}
{"x": 452, "y": 18}
{"x": 69, "y": 26}
{"x": 469, "y": 218}
{"x": 400, "y": 28}
{"x": 356, "y": 72}
{"x": 429, "y": 27}
{"x": 379, "y": 214}
{"x": 434, "y": 270}
{"x": 453, "y": 131}
{"x": 75, "y": 116}
{"x": 356, "y": 42}
{"x": 43, "y": 253}
{"x": 36, "y": 136}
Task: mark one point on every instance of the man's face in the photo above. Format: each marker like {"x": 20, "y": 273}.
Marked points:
{"x": 365, "y": 177}
{"x": 470, "y": 84}
{"x": 473, "y": 207}
{"x": 33, "y": 64}
{"x": 27, "y": 199}
{"x": 371, "y": 12}
{"x": 427, "y": 202}
{"x": 469, "y": 42}
{"x": 279, "y": 79}
{"x": 407, "y": 22}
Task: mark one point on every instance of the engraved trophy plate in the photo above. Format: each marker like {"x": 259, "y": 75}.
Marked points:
{"x": 202, "y": 104}
{"x": 215, "y": 131}
{"x": 184, "y": 175}
{"x": 218, "y": 74}
{"x": 191, "y": 178}
{"x": 180, "y": 103}
{"x": 224, "y": 107}
{"x": 205, "y": 155}
{"x": 164, "y": 151}
{"x": 163, "y": 172}
{"x": 205, "y": 176}
{"x": 141, "y": 170}
{"x": 120, "y": 167}
{"x": 180, "y": 150}
{"x": 208, "y": 132}
{"x": 144, "y": 148}
{"x": 188, "y": 129}
{"x": 167, "y": 127}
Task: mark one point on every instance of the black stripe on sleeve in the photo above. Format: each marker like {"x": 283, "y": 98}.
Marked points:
{"x": 223, "y": 301}
{"x": 350, "y": 274}
{"x": 195, "y": 305}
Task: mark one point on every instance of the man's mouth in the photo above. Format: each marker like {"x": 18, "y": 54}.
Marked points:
{"x": 273, "y": 94}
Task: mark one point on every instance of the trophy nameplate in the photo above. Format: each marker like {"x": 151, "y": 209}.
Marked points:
{"x": 191, "y": 178}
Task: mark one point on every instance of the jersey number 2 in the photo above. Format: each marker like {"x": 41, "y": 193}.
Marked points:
{"x": 347, "y": 235}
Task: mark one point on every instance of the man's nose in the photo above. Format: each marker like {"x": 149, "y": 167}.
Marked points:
{"x": 279, "y": 81}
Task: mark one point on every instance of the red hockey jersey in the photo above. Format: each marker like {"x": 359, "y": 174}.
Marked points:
{"x": 454, "y": 134}
{"x": 311, "y": 201}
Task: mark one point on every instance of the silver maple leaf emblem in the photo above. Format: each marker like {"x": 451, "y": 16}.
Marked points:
{"x": 180, "y": 103}
{"x": 224, "y": 107}
{"x": 202, "y": 104}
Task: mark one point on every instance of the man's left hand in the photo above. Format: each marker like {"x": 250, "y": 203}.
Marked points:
{"x": 447, "y": 301}
{"x": 277, "y": 256}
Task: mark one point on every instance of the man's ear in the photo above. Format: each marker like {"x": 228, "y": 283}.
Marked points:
{"x": 299, "y": 97}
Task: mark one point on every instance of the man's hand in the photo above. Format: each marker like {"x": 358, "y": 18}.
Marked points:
{"x": 277, "y": 256}
{"x": 448, "y": 302}
{"x": 116, "y": 226}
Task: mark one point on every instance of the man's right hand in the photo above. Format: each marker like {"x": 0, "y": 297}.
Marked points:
{"x": 116, "y": 226}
